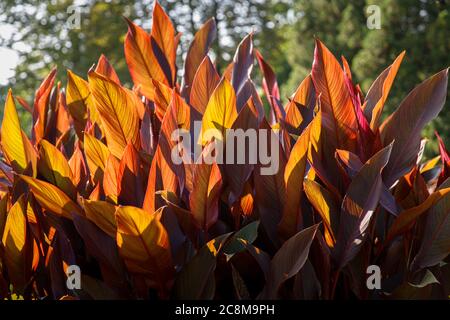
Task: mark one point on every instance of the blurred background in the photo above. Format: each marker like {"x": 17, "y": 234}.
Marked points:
{"x": 35, "y": 36}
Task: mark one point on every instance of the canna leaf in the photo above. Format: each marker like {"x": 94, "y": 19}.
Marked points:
{"x": 15, "y": 145}
{"x": 325, "y": 205}
{"x": 163, "y": 34}
{"x": 197, "y": 53}
{"x": 404, "y": 126}
{"x": 288, "y": 261}
{"x": 270, "y": 190}
{"x": 144, "y": 245}
{"x": 293, "y": 179}
{"x": 238, "y": 171}
{"x": 129, "y": 181}
{"x": 300, "y": 109}
{"x": 205, "y": 81}
{"x": 196, "y": 280}
{"x": 14, "y": 243}
{"x": 220, "y": 112}
{"x": 242, "y": 66}
{"x": 79, "y": 102}
{"x": 52, "y": 198}
{"x": 379, "y": 91}
{"x": 406, "y": 218}
{"x": 106, "y": 69}
{"x": 117, "y": 111}
{"x": 328, "y": 78}
{"x": 96, "y": 156}
{"x": 270, "y": 84}
{"x": 40, "y": 107}
{"x": 53, "y": 166}
{"x": 102, "y": 214}
{"x": 435, "y": 245}
{"x": 358, "y": 206}
{"x": 79, "y": 168}
{"x": 110, "y": 179}
{"x": 203, "y": 200}
{"x": 141, "y": 60}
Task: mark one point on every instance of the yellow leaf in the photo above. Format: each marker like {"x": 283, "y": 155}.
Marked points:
{"x": 117, "y": 111}
{"x": 110, "y": 178}
{"x": 52, "y": 198}
{"x": 293, "y": 179}
{"x": 102, "y": 213}
{"x": 144, "y": 244}
{"x": 323, "y": 203}
{"x": 55, "y": 168}
{"x": 14, "y": 244}
{"x": 13, "y": 140}
{"x": 79, "y": 102}
{"x": 220, "y": 112}
{"x": 96, "y": 155}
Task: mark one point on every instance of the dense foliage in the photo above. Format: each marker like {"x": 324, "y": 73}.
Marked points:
{"x": 96, "y": 185}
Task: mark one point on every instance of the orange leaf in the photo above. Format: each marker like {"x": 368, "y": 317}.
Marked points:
{"x": 129, "y": 181}
{"x": 176, "y": 117}
{"x": 162, "y": 98}
{"x": 197, "y": 52}
{"x": 40, "y": 108}
{"x": 336, "y": 102}
{"x": 203, "y": 200}
{"x": 141, "y": 60}
{"x": 78, "y": 167}
{"x": 163, "y": 34}
{"x": 299, "y": 110}
{"x": 161, "y": 177}
{"x": 405, "y": 219}
{"x": 205, "y": 81}
{"x": 106, "y": 69}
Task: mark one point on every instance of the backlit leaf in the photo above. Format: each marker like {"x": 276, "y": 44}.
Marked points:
{"x": 117, "y": 111}
{"x": 144, "y": 245}
{"x": 220, "y": 112}
{"x": 12, "y": 137}
{"x": 197, "y": 52}
{"x": 52, "y": 198}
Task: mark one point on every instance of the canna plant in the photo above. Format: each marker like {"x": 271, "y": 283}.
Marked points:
{"x": 95, "y": 185}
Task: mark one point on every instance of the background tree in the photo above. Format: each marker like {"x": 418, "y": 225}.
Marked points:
{"x": 419, "y": 27}
{"x": 44, "y": 39}
{"x": 284, "y": 33}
